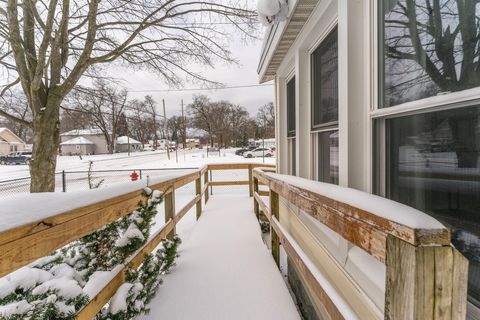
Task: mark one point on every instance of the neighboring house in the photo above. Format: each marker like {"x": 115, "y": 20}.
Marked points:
{"x": 126, "y": 144}
{"x": 267, "y": 143}
{"x": 192, "y": 143}
{"x": 10, "y": 142}
{"x": 361, "y": 104}
{"x": 77, "y": 146}
{"x": 94, "y": 136}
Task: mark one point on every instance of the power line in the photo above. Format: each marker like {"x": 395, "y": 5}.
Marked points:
{"x": 205, "y": 89}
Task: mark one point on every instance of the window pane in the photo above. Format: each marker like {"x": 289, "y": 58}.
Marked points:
{"x": 325, "y": 81}
{"x": 430, "y": 48}
{"x": 292, "y": 159}
{"x": 327, "y": 157}
{"x": 434, "y": 166}
{"x": 291, "y": 107}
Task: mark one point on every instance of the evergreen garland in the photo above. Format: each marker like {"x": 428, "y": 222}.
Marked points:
{"x": 45, "y": 297}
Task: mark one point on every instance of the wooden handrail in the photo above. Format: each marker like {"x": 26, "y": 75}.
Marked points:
{"x": 426, "y": 277}
{"x": 362, "y": 228}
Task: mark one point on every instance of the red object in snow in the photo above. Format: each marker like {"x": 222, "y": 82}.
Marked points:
{"x": 134, "y": 176}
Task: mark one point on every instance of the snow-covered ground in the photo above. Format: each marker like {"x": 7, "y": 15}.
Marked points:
{"x": 224, "y": 270}
{"x": 153, "y": 164}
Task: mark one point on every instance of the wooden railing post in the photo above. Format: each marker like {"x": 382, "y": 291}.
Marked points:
{"x": 198, "y": 190}
{"x": 250, "y": 180}
{"x": 256, "y": 209}
{"x": 274, "y": 210}
{"x": 170, "y": 209}
{"x": 424, "y": 282}
{"x": 205, "y": 181}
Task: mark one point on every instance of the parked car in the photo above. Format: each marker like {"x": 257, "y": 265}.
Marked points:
{"x": 241, "y": 151}
{"x": 27, "y": 154}
{"x": 258, "y": 152}
{"x": 15, "y": 158}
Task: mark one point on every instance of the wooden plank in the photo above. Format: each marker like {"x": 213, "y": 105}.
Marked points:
{"x": 255, "y": 202}
{"x": 421, "y": 282}
{"x": 169, "y": 202}
{"x": 460, "y": 283}
{"x": 20, "y": 252}
{"x": 95, "y": 305}
{"x": 306, "y": 270}
{"x": 228, "y": 183}
{"x": 186, "y": 179}
{"x": 250, "y": 180}
{"x": 205, "y": 180}
{"x": 198, "y": 190}
{"x": 228, "y": 166}
{"x": 263, "y": 206}
{"x": 264, "y": 193}
{"x": 360, "y": 227}
{"x": 275, "y": 213}
{"x": 187, "y": 208}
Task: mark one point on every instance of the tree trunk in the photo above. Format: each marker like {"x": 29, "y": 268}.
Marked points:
{"x": 46, "y": 140}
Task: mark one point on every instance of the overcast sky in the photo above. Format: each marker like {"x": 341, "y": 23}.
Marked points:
{"x": 243, "y": 73}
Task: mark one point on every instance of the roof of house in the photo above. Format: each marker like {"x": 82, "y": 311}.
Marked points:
{"x": 3, "y": 136}
{"x": 82, "y": 132}
{"x": 77, "y": 141}
{"x": 281, "y": 35}
{"x": 126, "y": 140}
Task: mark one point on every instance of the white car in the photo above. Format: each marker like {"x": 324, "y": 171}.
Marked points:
{"x": 258, "y": 152}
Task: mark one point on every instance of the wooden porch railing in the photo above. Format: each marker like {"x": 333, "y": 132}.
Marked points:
{"x": 22, "y": 245}
{"x": 426, "y": 277}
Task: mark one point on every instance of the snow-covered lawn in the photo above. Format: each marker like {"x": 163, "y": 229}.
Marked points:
{"x": 153, "y": 160}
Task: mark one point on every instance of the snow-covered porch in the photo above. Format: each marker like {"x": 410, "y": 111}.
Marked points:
{"x": 224, "y": 271}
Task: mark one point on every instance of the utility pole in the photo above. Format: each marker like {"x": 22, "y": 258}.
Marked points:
{"x": 165, "y": 129}
{"x": 184, "y": 135}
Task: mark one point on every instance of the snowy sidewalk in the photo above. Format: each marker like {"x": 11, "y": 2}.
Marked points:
{"x": 225, "y": 271}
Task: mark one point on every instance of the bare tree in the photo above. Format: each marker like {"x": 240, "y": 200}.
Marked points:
{"x": 46, "y": 47}
{"x": 105, "y": 105}
{"x": 266, "y": 120}
{"x": 200, "y": 111}
{"x": 141, "y": 126}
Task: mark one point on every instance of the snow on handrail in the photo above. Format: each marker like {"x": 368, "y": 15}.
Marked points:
{"x": 359, "y": 217}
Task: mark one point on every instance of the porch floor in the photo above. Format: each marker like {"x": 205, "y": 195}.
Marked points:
{"x": 224, "y": 271}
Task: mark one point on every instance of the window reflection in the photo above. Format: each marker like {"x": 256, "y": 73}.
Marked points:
{"x": 430, "y": 48}
{"x": 434, "y": 166}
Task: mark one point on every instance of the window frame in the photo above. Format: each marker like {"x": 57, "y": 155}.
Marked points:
{"x": 318, "y": 44}
{"x": 288, "y": 83}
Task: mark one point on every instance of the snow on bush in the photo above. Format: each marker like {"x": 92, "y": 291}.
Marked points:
{"x": 270, "y": 11}
{"x": 58, "y": 286}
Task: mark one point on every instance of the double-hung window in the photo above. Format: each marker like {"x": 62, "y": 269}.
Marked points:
{"x": 324, "y": 74}
{"x": 428, "y": 137}
{"x": 291, "y": 126}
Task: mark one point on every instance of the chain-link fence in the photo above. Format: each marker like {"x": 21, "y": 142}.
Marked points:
{"x": 82, "y": 180}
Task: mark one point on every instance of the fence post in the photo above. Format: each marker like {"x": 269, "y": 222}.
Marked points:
{"x": 250, "y": 180}
{"x": 256, "y": 209}
{"x": 274, "y": 208}
{"x": 206, "y": 182}
{"x": 198, "y": 189}
{"x": 211, "y": 179}
{"x": 424, "y": 282}
{"x": 140, "y": 174}
{"x": 170, "y": 209}
{"x": 64, "y": 181}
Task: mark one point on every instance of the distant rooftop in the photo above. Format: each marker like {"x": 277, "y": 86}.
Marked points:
{"x": 77, "y": 141}
{"x": 125, "y": 140}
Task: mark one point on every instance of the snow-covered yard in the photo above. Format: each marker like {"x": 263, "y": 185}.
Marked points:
{"x": 153, "y": 164}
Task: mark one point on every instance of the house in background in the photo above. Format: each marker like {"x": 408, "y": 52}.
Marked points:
{"x": 361, "y": 104}
{"x": 93, "y": 137}
{"x": 10, "y": 142}
{"x": 192, "y": 143}
{"x": 127, "y": 144}
{"x": 77, "y": 146}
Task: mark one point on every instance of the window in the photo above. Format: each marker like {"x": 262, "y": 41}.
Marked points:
{"x": 325, "y": 109}
{"x": 433, "y": 164}
{"x": 291, "y": 107}
{"x": 325, "y": 81}
{"x": 325, "y": 151}
{"x": 291, "y": 126}
{"x": 77, "y": 147}
{"x": 13, "y": 148}
{"x": 429, "y": 48}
